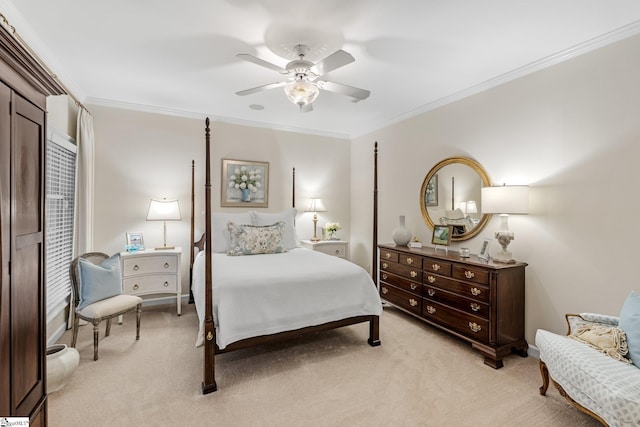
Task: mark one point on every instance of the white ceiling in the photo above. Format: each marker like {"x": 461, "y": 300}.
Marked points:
{"x": 413, "y": 55}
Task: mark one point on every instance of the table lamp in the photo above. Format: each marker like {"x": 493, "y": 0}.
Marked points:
{"x": 315, "y": 206}
{"x": 164, "y": 210}
{"x": 505, "y": 200}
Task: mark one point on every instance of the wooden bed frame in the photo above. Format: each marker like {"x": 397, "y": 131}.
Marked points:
{"x": 204, "y": 243}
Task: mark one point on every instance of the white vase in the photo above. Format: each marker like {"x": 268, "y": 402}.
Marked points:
{"x": 401, "y": 235}
{"x": 62, "y": 361}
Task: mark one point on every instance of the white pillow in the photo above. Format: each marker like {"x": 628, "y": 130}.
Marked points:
{"x": 220, "y": 233}
{"x": 288, "y": 217}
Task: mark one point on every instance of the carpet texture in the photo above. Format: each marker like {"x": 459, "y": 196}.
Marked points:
{"x": 420, "y": 376}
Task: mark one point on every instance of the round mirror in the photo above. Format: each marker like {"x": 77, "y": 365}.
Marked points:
{"x": 450, "y": 195}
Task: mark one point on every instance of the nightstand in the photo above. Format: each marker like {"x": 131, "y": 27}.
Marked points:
{"x": 339, "y": 248}
{"x": 152, "y": 272}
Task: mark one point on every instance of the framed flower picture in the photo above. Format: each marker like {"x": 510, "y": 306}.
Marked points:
{"x": 244, "y": 184}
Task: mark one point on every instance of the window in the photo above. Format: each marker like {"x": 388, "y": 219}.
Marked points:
{"x": 59, "y": 214}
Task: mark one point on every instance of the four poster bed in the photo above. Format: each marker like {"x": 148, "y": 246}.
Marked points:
{"x": 274, "y": 295}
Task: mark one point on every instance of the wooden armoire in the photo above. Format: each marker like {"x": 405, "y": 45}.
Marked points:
{"x": 24, "y": 86}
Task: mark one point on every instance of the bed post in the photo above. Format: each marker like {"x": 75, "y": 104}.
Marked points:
{"x": 193, "y": 197}
{"x": 293, "y": 189}
{"x": 209, "y": 381}
{"x": 374, "y": 323}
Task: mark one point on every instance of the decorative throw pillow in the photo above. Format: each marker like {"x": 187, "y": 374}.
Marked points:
{"x": 287, "y": 216}
{"x": 219, "y": 232}
{"x": 256, "y": 239}
{"x": 98, "y": 282}
{"x": 609, "y": 340}
{"x": 630, "y": 323}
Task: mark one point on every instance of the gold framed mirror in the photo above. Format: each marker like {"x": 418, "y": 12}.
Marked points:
{"x": 450, "y": 195}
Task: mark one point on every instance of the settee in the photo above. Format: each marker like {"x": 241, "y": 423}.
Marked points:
{"x": 599, "y": 382}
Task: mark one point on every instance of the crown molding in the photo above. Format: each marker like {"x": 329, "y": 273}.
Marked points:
{"x": 606, "y": 39}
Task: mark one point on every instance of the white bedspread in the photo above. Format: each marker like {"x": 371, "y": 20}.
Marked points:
{"x": 258, "y": 295}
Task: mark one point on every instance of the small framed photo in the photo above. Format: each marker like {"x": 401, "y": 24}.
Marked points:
{"x": 442, "y": 235}
{"x": 244, "y": 184}
{"x": 135, "y": 240}
{"x": 484, "y": 249}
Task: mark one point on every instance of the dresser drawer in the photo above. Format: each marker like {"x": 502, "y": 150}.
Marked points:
{"x": 471, "y": 274}
{"x": 402, "y": 270}
{"x": 403, "y": 299}
{"x": 433, "y": 265}
{"x": 466, "y": 289}
{"x": 158, "y": 283}
{"x": 401, "y": 282}
{"x": 477, "y": 308}
{"x": 150, "y": 264}
{"x": 411, "y": 260}
{"x": 388, "y": 255}
{"x": 463, "y": 323}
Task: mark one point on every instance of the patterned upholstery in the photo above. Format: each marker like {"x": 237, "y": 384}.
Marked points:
{"x": 601, "y": 384}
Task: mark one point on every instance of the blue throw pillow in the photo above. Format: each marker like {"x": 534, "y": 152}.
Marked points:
{"x": 98, "y": 282}
{"x": 630, "y": 324}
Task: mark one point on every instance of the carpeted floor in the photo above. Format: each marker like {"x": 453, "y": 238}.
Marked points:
{"x": 418, "y": 377}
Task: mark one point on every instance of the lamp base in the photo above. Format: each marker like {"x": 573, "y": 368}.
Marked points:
{"x": 160, "y": 248}
{"x": 504, "y": 256}
{"x": 503, "y": 259}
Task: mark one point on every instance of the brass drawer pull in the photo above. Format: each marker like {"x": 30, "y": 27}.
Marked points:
{"x": 136, "y": 287}
{"x": 431, "y": 309}
{"x": 469, "y": 274}
{"x": 414, "y": 286}
{"x": 413, "y": 273}
{"x": 431, "y": 279}
{"x": 385, "y": 265}
{"x": 475, "y": 327}
{"x": 166, "y": 284}
{"x": 166, "y": 265}
{"x": 435, "y": 267}
{"x": 431, "y": 292}
{"x": 136, "y": 267}
{"x": 385, "y": 276}
{"x": 387, "y": 255}
{"x": 385, "y": 290}
{"x": 476, "y": 291}
{"x": 413, "y": 302}
{"x": 475, "y": 306}
{"x": 409, "y": 261}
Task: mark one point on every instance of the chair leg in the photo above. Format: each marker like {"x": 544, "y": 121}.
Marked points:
{"x": 138, "y": 315}
{"x": 108, "y": 330}
{"x": 545, "y": 378}
{"x": 96, "y": 325}
{"x": 76, "y": 325}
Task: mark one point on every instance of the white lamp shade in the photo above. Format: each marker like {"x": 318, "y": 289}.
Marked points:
{"x": 301, "y": 92}
{"x": 507, "y": 199}
{"x": 164, "y": 210}
{"x": 316, "y": 205}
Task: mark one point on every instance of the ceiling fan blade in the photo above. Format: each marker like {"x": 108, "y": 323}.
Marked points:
{"x": 260, "y": 88}
{"x": 356, "y": 93}
{"x": 261, "y": 62}
{"x": 337, "y": 59}
{"x": 306, "y": 108}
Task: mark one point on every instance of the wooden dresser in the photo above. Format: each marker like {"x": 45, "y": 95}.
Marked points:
{"x": 478, "y": 301}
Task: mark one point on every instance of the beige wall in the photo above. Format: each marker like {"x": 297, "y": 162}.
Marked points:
{"x": 572, "y": 133}
{"x": 143, "y": 155}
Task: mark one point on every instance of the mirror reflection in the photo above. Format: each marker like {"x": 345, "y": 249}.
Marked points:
{"x": 450, "y": 195}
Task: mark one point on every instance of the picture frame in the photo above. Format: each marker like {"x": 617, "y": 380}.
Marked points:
{"x": 250, "y": 191}
{"x": 442, "y": 235}
{"x": 136, "y": 240}
{"x": 431, "y": 192}
{"x": 484, "y": 250}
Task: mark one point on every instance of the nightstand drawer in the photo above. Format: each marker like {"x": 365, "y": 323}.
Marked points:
{"x": 338, "y": 250}
{"x": 157, "y": 283}
{"x": 155, "y": 264}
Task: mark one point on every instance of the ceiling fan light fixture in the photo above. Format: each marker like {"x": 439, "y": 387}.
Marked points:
{"x": 301, "y": 92}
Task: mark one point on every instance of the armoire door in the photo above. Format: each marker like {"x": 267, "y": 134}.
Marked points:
{"x": 28, "y": 323}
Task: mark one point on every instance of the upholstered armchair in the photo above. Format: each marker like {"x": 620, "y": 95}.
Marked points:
{"x": 97, "y": 294}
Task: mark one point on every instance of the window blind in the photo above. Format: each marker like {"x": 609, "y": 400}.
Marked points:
{"x": 59, "y": 214}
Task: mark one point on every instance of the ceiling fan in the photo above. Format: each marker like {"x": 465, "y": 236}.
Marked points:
{"x": 303, "y": 83}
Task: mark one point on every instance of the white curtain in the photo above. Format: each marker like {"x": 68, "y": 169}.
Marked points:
{"x": 84, "y": 181}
